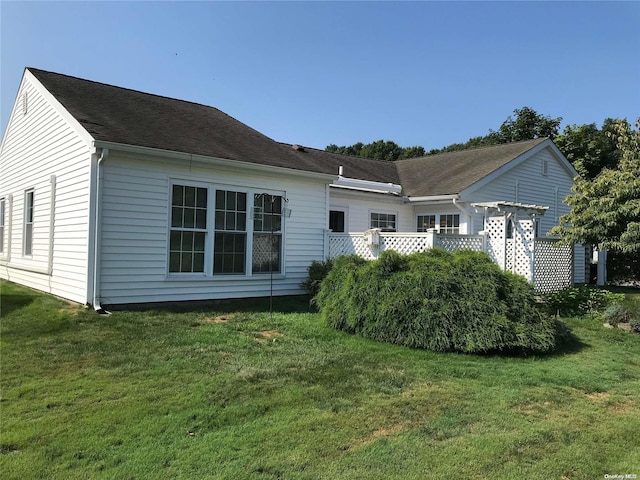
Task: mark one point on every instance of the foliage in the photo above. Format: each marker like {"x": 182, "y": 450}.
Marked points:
{"x": 622, "y": 267}
{"x": 616, "y": 314}
{"x": 635, "y": 326}
{"x": 316, "y": 273}
{"x": 437, "y": 301}
{"x": 526, "y": 124}
{"x": 578, "y": 301}
{"x": 380, "y": 150}
{"x": 203, "y": 393}
{"x": 588, "y": 148}
{"x": 605, "y": 211}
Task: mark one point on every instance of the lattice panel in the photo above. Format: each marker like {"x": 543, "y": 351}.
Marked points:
{"x": 350, "y": 244}
{"x": 404, "y": 244}
{"x": 495, "y": 228}
{"x": 523, "y": 238}
{"x": 452, "y": 243}
{"x": 553, "y": 266}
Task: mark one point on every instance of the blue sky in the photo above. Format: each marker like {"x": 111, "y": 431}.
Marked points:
{"x": 417, "y": 73}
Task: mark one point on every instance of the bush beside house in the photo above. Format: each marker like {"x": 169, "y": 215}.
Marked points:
{"x": 436, "y": 300}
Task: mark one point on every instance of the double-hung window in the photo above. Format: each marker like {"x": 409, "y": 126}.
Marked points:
{"x": 384, "y": 221}
{"x": 230, "y": 244}
{"x": 2, "y": 223}
{"x": 267, "y": 233}
{"x": 27, "y": 246}
{"x": 426, "y": 222}
{"x": 188, "y": 229}
{"x": 450, "y": 223}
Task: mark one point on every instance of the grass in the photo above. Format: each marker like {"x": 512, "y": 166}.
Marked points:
{"x": 229, "y": 392}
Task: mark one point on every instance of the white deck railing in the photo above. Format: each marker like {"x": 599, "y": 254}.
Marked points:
{"x": 355, "y": 243}
{"x": 549, "y": 265}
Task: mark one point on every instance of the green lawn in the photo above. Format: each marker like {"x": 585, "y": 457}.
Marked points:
{"x": 228, "y": 392}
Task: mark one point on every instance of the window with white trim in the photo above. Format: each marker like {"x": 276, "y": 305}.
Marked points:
{"x": 27, "y": 245}
{"x": 2, "y": 223}
{"x": 450, "y": 223}
{"x": 188, "y": 229}
{"x": 426, "y": 222}
{"x": 211, "y": 232}
{"x": 267, "y": 233}
{"x": 384, "y": 221}
{"x": 230, "y": 244}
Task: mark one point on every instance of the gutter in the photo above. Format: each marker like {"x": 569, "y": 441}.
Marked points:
{"x": 367, "y": 185}
{"x": 223, "y": 162}
{"x": 433, "y": 198}
{"x": 97, "y": 234}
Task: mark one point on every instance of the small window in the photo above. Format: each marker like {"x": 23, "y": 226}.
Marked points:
{"x": 188, "y": 229}
{"x": 2, "y": 222}
{"x": 450, "y": 223}
{"x": 384, "y": 221}
{"x": 267, "y": 233}
{"x": 336, "y": 221}
{"x": 426, "y": 222}
{"x": 28, "y": 223}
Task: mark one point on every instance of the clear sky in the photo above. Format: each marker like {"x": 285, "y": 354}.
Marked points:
{"x": 417, "y": 73}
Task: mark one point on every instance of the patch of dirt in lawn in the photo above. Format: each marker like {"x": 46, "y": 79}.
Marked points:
{"x": 537, "y": 408}
{"x": 598, "y": 396}
{"x": 266, "y": 335}
{"x": 218, "y": 319}
{"x": 380, "y": 433}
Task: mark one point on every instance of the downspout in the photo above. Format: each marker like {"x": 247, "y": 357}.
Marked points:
{"x": 52, "y": 224}
{"x": 468, "y": 215}
{"x": 97, "y": 233}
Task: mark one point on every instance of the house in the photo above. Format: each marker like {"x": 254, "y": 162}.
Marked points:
{"x": 113, "y": 196}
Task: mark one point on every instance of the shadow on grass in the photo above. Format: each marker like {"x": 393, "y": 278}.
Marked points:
{"x": 282, "y": 304}
{"x": 10, "y": 302}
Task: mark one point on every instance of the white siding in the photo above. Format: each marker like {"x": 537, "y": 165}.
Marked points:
{"x": 525, "y": 183}
{"x": 36, "y": 146}
{"x": 359, "y": 206}
{"x": 135, "y": 223}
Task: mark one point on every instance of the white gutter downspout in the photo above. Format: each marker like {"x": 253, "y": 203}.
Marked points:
{"x": 97, "y": 233}
{"x": 467, "y": 213}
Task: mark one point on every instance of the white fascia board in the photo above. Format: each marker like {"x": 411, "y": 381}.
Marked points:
{"x": 63, "y": 112}
{"x": 170, "y": 155}
{"x": 366, "y": 185}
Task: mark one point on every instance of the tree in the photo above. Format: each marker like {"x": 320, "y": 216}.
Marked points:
{"x": 527, "y": 124}
{"x": 605, "y": 210}
{"x": 588, "y": 148}
{"x": 380, "y": 150}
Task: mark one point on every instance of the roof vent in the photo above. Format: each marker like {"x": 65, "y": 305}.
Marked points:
{"x": 299, "y": 148}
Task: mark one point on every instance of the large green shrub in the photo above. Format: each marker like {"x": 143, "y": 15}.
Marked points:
{"x": 316, "y": 273}
{"x": 437, "y": 301}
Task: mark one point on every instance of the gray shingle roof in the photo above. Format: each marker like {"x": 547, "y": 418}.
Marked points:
{"x": 120, "y": 115}
{"x": 450, "y": 173}
{"x": 130, "y": 117}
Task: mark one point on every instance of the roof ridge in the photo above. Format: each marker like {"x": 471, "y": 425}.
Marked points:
{"x": 475, "y": 149}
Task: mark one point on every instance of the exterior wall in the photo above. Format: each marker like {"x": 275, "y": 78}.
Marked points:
{"x": 525, "y": 183}
{"x": 37, "y": 145}
{"x": 135, "y": 231}
{"x": 359, "y": 206}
